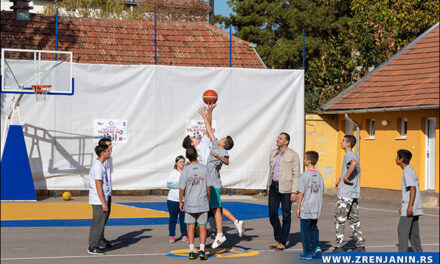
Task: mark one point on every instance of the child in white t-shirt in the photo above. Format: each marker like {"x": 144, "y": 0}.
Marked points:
{"x": 99, "y": 195}
{"x": 173, "y": 202}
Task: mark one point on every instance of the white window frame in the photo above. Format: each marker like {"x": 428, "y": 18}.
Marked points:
{"x": 371, "y": 129}
{"x": 403, "y": 125}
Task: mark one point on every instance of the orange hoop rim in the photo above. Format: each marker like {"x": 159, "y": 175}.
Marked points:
{"x": 38, "y": 88}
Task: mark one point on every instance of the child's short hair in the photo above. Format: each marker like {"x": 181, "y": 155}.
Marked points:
{"x": 191, "y": 154}
{"x": 187, "y": 142}
{"x": 104, "y": 140}
{"x": 229, "y": 143}
{"x": 404, "y": 154}
{"x": 100, "y": 148}
{"x": 351, "y": 139}
{"x": 313, "y": 156}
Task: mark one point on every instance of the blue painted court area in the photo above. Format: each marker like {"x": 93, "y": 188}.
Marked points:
{"x": 243, "y": 211}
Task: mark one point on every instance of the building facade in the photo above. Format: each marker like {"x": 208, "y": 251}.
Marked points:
{"x": 396, "y": 106}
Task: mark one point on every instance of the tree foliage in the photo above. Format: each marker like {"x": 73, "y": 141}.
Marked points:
{"x": 189, "y": 10}
{"x": 345, "y": 39}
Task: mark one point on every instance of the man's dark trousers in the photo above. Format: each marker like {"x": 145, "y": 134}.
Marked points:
{"x": 280, "y": 233}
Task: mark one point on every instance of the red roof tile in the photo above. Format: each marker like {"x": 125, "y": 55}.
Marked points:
{"x": 409, "y": 78}
{"x": 108, "y": 41}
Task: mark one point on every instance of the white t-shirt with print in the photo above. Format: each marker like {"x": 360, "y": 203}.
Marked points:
{"x": 173, "y": 194}
{"x": 203, "y": 150}
{"x": 98, "y": 172}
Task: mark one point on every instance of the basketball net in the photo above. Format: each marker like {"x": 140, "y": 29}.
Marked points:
{"x": 40, "y": 92}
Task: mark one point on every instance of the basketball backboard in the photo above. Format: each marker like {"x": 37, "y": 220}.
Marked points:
{"x": 21, "y": 69}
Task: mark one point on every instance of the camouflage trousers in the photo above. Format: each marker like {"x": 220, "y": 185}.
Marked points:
{"x": 347, "y": 209}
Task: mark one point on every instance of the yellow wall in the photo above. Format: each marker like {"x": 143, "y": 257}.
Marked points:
{"x": 322, "y": 137}
{"x": 377, "y": 156}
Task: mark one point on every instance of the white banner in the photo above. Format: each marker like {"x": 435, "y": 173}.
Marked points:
{"x": 253, "y": 107}
{"x": 196, "y": 128}
{"x": 115, "y": 129}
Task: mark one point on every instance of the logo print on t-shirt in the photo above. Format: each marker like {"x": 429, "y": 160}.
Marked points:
{"x": 315, "y": 187}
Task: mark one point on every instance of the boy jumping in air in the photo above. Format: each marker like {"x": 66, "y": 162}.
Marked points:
{"x": 219, "y": 156}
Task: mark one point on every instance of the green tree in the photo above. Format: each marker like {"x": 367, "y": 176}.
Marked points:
{"x": 345, "y": 39}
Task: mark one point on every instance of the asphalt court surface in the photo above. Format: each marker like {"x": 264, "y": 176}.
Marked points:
{"x": 27, "y": 237}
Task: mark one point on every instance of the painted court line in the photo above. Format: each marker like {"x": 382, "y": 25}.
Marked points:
{"x": 382, "y": 246}
{"x": 384, "y": 210}
{"x": 86, "y": 256}
{"x": 164, "y": 254}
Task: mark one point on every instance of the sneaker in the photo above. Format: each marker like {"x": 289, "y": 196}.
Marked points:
{"x": 95, "y": 251}
{"x": 202, "y": 255}
{"x": 185, "y": 239}
{"x": 338, "y": 249}
{"x": 107, "y": 243}
{"x": 240, "y": 228}
{"x": 192, "y": 255}
{"x": 275, "y": 245}
{"x": 359, "y": 249}
{"x": 172, "y": 239}
{"x": 104, "y": 243}
{"x": 305, "y": 256}
{"x": 218, "y": 241}
{"x": 318, "y": 252}
{"x": 280, "y": 247}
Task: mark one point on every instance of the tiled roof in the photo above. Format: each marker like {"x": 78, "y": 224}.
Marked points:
{"x": 107, "y": 41}
{"x": 179, "y": 3}
{"x": 409, "y": 79}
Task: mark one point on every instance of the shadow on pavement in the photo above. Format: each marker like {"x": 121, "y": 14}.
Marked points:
{"x": 293, "y": 239}
{"x": 128, "y": 239}
{"x": 233, "y": 240}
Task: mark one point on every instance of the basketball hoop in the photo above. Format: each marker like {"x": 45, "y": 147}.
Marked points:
{"x": 41, "y": 91}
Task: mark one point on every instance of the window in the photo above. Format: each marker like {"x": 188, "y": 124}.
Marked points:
{"x": 371, "y": 128}
{"x": 403, "y": 127}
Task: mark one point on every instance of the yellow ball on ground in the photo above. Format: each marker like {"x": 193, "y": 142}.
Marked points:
{"x": 67, "y": 196}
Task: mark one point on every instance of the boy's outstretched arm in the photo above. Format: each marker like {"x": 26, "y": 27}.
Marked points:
{"x": 224, "y": 160}
{"x": 210, "y": 109}
{"x": 204, "y": 114}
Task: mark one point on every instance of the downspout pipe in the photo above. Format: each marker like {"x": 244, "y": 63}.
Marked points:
{"x": 358, "y": 149}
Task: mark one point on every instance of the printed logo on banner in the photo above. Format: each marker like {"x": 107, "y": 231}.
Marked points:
{"x": 196, "y": 128}
{"x": 116, "y": 129}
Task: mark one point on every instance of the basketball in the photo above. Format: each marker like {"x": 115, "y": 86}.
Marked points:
{"x": 67, "y": 196}
{"x": 210, "y": 97}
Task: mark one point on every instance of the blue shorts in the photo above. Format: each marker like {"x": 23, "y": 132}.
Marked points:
{"x": 214, "y": 199}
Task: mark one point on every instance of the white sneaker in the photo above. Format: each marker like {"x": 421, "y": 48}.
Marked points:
{"x": 240, "y": 228}
{"x": 218, "y": 241}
